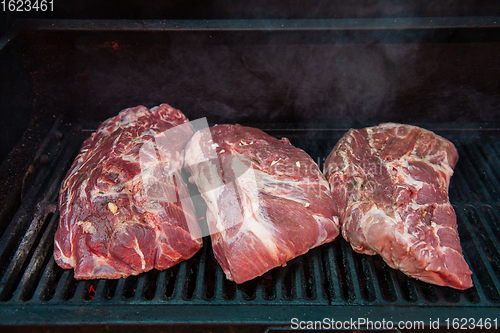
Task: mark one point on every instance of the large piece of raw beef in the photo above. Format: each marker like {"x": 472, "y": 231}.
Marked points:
{"x": 267, "y": 201}
{"x": 391, "y": 186}
{"x": 124, "y": 206}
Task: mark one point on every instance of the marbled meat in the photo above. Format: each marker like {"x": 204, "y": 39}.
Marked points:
{"x": 124, "y": 208}
{"x": 268, "y": 202}
{"x": 391, "y": 186}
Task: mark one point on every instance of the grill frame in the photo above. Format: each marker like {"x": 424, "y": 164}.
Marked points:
{"x": 43, "y": 293}
{"x": 333, "y": 293}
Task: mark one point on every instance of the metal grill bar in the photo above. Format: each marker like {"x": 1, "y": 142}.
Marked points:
{"x": 403, "y": 23}
{"x": 40, "y": 201}
{"x": 487, "y": 239}
{"x": 39, "y": 258}
{"x": 480, "y": 264}
{"x": 472, "y": 217}
{"x": 377, "y": 294}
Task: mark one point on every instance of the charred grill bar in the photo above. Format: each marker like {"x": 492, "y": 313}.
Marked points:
{"x": 70, "y": 75}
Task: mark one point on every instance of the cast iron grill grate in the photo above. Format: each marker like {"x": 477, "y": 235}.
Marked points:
{"x": 331, "y": 275}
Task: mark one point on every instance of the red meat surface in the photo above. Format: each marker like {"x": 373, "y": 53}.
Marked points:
{"x": 124, "y": 208}
{"x": 268, "y": 202}
{"x": 391, "y": 186}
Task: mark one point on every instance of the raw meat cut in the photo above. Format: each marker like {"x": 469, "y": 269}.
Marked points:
{"x": 391, "y": 186}
{"x": 124, "y": 208}
{"x": 268, "y": 202}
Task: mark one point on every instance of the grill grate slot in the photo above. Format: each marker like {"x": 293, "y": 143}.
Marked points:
{"x": 53, "y": 275}
{"x": 192, "y": 267}
{"x": 394, "y": 280}
{"x": 159, "y": 293}
{"x": 357, "y": 275}
{"x": 81, "y": 291}
{"x": 459, "y": 188}
{"x": 247, "y": 290}
{"x": 21, "y": 257}
{"x": 150, "y": 284}
{"x": 345, "y": 279}
{"x": 228, "y": 287}
{"x": 25, "y": 232}
{"x": 130, "y": 286}
{"x": 97, "y": 293}
{"x": 329, "y": 272}
{"x": 22, "y": 199}
{"x": 493, "y": 223}
{"x": 364, "y": 278}
{"x": 298, "y": 289}
{"x": 384, "y": 279}
{"x": 488, "y": 182}
{"x": 120, "y": 289}
{"x": 407, "y": 287}
{"x": 39, "y": 259}
{"x": 369, "y": 264}
{"x": 477, "y": 259}
{"x": 170, "y": 281}
{"x": 317, "y": 280}
{"x": 37, "y": 196}
{"x": 90, "y": 288}
{"x": 140, "y": 288}
{"x": 470, "y": 176}
{"x": 495, "y": 145}
{"x": 484, "y": 232}
{"x": 70, "y": 287}
{"x": 209, "y": 276}
{"x": 307, "y": 278}
{"x": 269, "y": 288}
{"x": 450, "y": 295}
{"x": 472, "y": 295}
{"x": 489, "y": 158}
{"x": 428, "y": 292}
{"x": 108, "y": 289}
{"x": 288, "y": 278}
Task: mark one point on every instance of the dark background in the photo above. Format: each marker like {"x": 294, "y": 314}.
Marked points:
{"x": 269, "y": 9}
{"x": 269, "y": 79}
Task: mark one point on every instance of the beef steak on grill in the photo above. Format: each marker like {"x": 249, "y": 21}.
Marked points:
{"x": 391, "y": 186}
{"x": 267, "y": 201}
{"x": 124, "y": 207}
